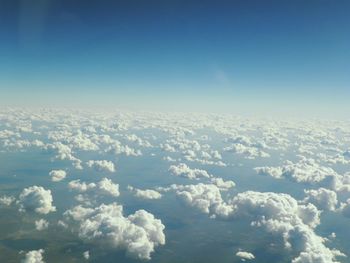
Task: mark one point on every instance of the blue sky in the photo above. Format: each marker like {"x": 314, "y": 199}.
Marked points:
{"x": 232, "y": 56}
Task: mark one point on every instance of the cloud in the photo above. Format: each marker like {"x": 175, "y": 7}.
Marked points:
{"x": 307, "y": 170}
{"x": 245, "y": 255}
{"x": 323, "y": 198}
{"x": 248, "y": 151}
{"x": 102, "y": 165}
{"x": 41, "y": 224}
{"x": 106, "y": 186}
{"x": 281, "y": 214}
{"x": 34, "y": 256}
{"x": 86, "y": 255}
{"x": 184, "y": 171}
{"x": 57, "y": 175}
{"x": 205, "y": 197}
{"x": 139, "y": 233}
{"x": 7, "y": 200}
{"x": 80, "y": 187}
{"x": 277, "y": 213}
{"x": 145, "y": 194}
{"x": 223, "y": 185}
{"x": 117, "y": 148}
{"x": 103, "y": 187}
{"x": 36, "y": 198}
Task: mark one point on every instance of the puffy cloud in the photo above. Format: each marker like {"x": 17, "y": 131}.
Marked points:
{"x": 323, "y": 198}
{"x": 275, "y": 172}
{"x": 307, "y": 170}
{"x": 57, "y": 175}
{"x": 145, "y": 194}
{"x": 106, "y": 186}
{"x": 245, "y": 255}
{"x": 117, "y": 148}
{"x": 64, "y": 152}
{"x": 281, "y": 214}
{"x": 103, "y": 187}
{"x": 277, "y": 213}
{"x": 139, "y": 233}
{"x": 205, "y": 197}
{"x": 41, "y": 224}
{"x": 223, "y": 185}
{"x": 184, "y": 171}
{"x": 36, "y": 198}
{"x": 248, "y": 151}
{"x": 138, "y": 140}
{"x": 345, "y": 208}
{"x": 102, "y": 165}
{"x": 34, "y": 256}
{"x": 7, "y": 200}
{"x": 80, "y": 187}
{"x": 86, "y": 255}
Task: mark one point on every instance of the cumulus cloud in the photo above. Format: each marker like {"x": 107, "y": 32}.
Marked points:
{"x": 277, "y": 213}
{"x": 41, "y": 224}
{"x": 103, "y": 187}
{"x": 248, "y": 151}
{"x": 223, "y": 185}
{"x": 80, "y": 186}
{"x": 323, "y": 198}
{"x": 86, "y": 255}
{"x": 281, "y": 214}
{"x": 139, "y": 233}
{"x": 307, "y": 170}
{"x": 34, "y": 256}
{"x": 57, "y": 175}
{"x": 117, "y": 148}
{"x": 184, "y": 171}
{"x": 145, "y": 194}
{"x": 245, "y": 255}
{"x": 102, "y": 165}
{"x": 205, "y": 197}
{"x": 106, "y": 186}
{"x": 345, "y": 208}
{"x": 7, "y": 200}
{"x": 36, "y": 198}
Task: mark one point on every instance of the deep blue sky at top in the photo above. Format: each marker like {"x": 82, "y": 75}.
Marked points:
{"x": 200, "y": 54}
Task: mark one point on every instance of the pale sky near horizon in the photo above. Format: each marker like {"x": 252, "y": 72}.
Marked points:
{"x": 254, "y": 57}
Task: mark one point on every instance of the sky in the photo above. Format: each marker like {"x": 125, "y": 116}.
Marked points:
{"x": 231, "y": 56}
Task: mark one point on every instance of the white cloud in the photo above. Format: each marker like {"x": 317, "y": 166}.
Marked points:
{"x": 248, "y": 151}
{"x": 277, "y": 213}
{"x": 323, "y": 198}
{"x": 345, "y": 208}
{"x": 138, "y": 233}
{"x": 103, "y": 187}
{"x": 36, "y": 198}
{"x": 223, "y": 185}
{"x": 117, "y": 148}
{"x": 184, "y": 171}
{"x": 145, "y": 194}
{"x": 86, "y": 255}
{"x": 57, "y": 175}
{"x": 245, "y": 255}
{"x": 106, "y": 186}
{"x": 7, "y": 200}
{"x": 205, "y": 197}
{"x": 34, "y": 256}
{"x": 281, "y": 214}
{"x": 102, "y": 165}
{"x": 307, "y": 170}
{"x": 41, "y": 224}
{"x": 80, "y": 187}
